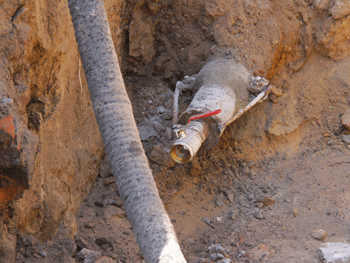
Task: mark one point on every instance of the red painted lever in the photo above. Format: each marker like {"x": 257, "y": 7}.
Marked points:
{"x": 201, "y": 116}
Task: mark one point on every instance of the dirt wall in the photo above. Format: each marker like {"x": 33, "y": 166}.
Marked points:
{"x": 49, "y": 141}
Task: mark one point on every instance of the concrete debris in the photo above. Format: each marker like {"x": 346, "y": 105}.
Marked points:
{"x": 335, "y": 252}
{"x": 319, "y": 234}
{"x": 345, "y": 119}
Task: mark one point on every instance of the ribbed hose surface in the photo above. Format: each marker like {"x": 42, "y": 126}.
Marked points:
{"x": 153, "y": 229}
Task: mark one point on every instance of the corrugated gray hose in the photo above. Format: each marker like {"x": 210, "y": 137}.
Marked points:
{"x": 145, "y": 210}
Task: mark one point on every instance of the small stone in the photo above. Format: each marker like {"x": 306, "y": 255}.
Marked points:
{"x": 346, "y": 138}
{"x": 146, "y": 132}
{"x": 219, "y": 219}
{"x": 276, "y": 91}
{"x": 42, "y": 253}
{"x": 105, "y": 259}
{"x": 230, "y": 195}
{"x": 89, "y": 225}
{"x": 335, "y": 252}
{"x": 167, "y": 115}
{"x": 158, "y": 127}
{"x": 345, "y": 119}
{"x": 265, "y": 200}
{"x": 340, "y": 9}
{"x": 168, "y": 134}
{"x": 81, "y": 243}
{"x": 225, "y": 260}
{"x": 101, "y": 241}
{"x": 220, "y": 200}
{"x": 216, "y": 256}
{"x": 88, "y": 255}
{"x": 217, "y": 248}
{"x": 108, "y": 181}
{"x": 321, "y": 4}
{"x": 319, "y": 234}
{"x": 161, "y": 156}
{"x": 330, "y": 141}
{"x": 295, "y": 212}
{"x": 273, "y": 98}
{"x": 258, "y": 215}
{"x": 232, "y": 214}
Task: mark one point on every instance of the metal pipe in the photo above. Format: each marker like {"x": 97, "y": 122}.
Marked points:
{"x": 223, "y": 88}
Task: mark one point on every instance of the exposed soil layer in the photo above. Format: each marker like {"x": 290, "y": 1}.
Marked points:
{"x": 278, "y": 173}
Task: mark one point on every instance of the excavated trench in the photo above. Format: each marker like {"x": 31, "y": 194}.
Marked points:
{"x": 278, "y": 173}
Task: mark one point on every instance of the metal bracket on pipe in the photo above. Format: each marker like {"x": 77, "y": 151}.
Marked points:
{"x": 262, "y": 96}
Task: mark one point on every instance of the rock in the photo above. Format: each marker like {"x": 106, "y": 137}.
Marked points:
{"x": 69, "y": 245}
{"x": 42, "y": 253}
{"x": 264, "y": 199}
{"x": 230, "y": 195}
{"x": 295, "y": 212}
{"x": 161, "y": 156}
{"x": 81, "y": 243}
{"x": 345, "y": 119}
{"x": 340, "y": 9}
{"x": 101, "y": 241}
{"x": 335, "y": 252}
{"x": 216, "y": 256}
{"x": 89, "y": 225}
{"x": 159, "y": 127}
{"x": 167, "y": 115}
{"x": 346, "y": 138}
{"x": 276, "y": 91}
{"x": 321, "y": 4}
{"x": 168, "y": 134}
{"x": 258, "y": 215}
{"x": 319, "y": 234}
{"x": 273, "y": 98}
{"x": 225, "y": 260}
{"x": 105, "y": 259}
{"x": 146, "y": 132}
{"x": 220, "y": 200}
{"x": 88, "y": 255}
{"x": 195, "y": 168}
{"x": 217, "y": 248}
{"x": 232, "y": 214}
{"x": 260, "y": 252}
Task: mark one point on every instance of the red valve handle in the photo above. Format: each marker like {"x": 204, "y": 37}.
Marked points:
{"x": 201, "y": 116}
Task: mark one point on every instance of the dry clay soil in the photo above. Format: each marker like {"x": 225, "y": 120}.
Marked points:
{"x": 279, "y": 173}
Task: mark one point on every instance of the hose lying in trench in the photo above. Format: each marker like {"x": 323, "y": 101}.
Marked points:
{"x": 145, "y": 210}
